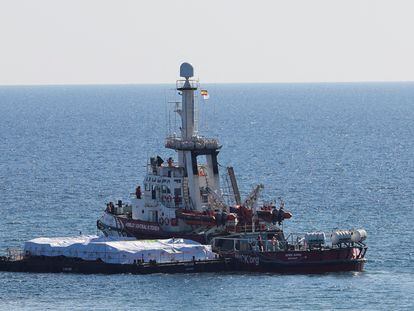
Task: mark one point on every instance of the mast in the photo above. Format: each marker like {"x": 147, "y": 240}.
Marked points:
{"x": 189, "y": 146}
{"x": 188, "y": 157}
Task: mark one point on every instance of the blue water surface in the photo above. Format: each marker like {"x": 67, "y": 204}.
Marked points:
{"x": 340, "y": 155}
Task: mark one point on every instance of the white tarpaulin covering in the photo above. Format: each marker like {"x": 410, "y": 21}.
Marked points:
{"x": 119, "y": 250}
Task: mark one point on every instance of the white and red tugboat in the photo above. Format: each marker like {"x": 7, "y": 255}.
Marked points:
{"x": 183, "y": 198}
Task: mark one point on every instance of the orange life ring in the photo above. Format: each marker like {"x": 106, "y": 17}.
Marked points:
{"x": 161, "y": 221}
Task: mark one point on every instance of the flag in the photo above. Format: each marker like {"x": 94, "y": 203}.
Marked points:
{"x": 205, "y": 95}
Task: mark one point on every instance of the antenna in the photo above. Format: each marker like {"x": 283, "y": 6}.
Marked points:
{"x": 169, "y": 123}
{"x": 167, "y": 114}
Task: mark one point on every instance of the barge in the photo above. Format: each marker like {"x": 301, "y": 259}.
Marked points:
{"x": 63, "y": 264}
{"x": 93, "y": 254}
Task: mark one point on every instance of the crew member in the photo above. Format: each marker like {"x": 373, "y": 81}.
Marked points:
{"x": 138, "y": 192}
{"x": 260, "y": 243}
{"x": 280, "y": 215}
{"x": 275, "y": 215}
{"x": 274, "y": 242}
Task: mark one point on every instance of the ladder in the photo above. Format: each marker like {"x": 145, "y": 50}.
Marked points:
{"x": 186, "y": 196}
{"x": 226, "y": 191}
{"x": 196, "y": 115}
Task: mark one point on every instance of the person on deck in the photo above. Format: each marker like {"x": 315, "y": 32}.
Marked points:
{"x": 260, "y": 243}
{"x": 280, "y": 215}
{"x": 138, "y": 192}
{"x": 275, "y": 215}
{"x": 274, "y": 243}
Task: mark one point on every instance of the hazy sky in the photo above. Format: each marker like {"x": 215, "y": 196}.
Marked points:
{"x": 97, "y": 41}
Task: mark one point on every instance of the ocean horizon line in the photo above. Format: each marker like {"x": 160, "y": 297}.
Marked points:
{"x": 206, "y": 83}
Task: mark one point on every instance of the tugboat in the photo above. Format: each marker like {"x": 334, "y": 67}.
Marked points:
{"x": 184, "y": 198}
{"x": 310, "y": 253}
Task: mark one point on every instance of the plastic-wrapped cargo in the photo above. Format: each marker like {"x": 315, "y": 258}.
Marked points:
{"x": 315, "y": 238}
{"x": 341, "y": 236}
{"x": 119, "y": 250}
{"x": 358, "y": 235}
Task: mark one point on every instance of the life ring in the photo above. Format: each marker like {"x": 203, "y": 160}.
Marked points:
{"x": 167, "y": 221}
{"x": 161, "y": 221}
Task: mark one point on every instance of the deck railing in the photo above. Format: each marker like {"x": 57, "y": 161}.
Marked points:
{"x": 181, "y": 82}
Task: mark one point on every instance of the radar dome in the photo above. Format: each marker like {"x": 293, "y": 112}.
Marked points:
{"x": 186, "y": 70}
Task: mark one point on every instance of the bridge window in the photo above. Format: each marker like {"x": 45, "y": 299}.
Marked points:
{"x": 165, "y": 189}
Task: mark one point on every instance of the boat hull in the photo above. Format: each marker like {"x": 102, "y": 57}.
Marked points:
{"x": 62, "y": 264}
{"x": 310, "y": 261}
{"x": 72, "y": 265}
{"x": 143, "y": 230}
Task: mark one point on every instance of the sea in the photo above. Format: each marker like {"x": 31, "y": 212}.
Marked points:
{"x": 339, "y": 155}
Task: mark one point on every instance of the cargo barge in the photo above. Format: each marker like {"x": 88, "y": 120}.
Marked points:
{"x": 261, "y": 252}
{"x": 61, "y": 264}
{"x": 94, "y": 254}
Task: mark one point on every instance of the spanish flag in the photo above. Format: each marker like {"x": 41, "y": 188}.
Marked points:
{"x": 205, "y": 95}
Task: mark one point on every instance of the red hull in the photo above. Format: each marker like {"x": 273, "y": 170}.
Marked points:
{"x": 311, "y": 261}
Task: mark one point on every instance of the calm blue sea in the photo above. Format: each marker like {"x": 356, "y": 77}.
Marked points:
{"x": 340, "y": 155}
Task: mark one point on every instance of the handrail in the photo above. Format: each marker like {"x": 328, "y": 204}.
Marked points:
{"x": 14, "y": 253}
{"x": 181, "y": 82}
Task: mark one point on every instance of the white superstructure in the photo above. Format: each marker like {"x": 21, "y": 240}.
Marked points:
{"x": 190, "y": 145}
{"x": 181, "y": 195}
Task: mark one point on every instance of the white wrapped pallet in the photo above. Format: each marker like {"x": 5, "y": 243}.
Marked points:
{"x": 358, "y": 235}
{"x": 341, "y": 236}
{"x": 119, "y": 250}
{"x": 315, "y": 237}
